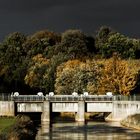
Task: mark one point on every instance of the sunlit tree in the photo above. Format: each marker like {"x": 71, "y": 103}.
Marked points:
{"x": 76, "y": 75}
{"x": 34, "y": 76}
{"x": 118, "y": 76}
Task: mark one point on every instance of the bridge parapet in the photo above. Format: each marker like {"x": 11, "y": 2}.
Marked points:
{"x": 71, "y": 98}
{"x": 67, "y": 98}
{"x": 28, "y": 98}
{"x": 62, "y": 98}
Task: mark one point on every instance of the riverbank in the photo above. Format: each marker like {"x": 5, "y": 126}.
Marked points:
{"x": 132, "y": 121}
{"x": 19, "y": 128}
{"x": 6, "y": 122}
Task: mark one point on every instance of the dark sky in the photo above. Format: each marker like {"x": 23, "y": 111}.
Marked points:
{"x": 29, "y": 16}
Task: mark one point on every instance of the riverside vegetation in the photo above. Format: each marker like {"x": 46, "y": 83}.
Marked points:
{"x": 63, "y": 62}
{"x": 19, "y": 128}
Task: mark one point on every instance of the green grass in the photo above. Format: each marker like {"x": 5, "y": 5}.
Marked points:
{"x": 6, "y": 122}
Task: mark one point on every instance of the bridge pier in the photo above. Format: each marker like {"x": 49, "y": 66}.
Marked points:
{"x": 80, "y": 116}
{"x": 46, "y": 111}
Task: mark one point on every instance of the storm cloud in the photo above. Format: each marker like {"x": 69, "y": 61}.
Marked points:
{"x": 29, "y": 16}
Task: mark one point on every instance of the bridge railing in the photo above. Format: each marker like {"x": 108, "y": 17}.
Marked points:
{"x": 28, "y": 98}
{"x": 5, "y": 97}
{"x": 62, "y": 98}
{"x": 126, "y": 98}
{"x": 24, "y": 98}
{"x": 98, "y": 98}
{"x": 77, "y": 98}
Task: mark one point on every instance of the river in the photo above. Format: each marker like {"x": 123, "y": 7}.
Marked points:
{"x": 87, "y": 131}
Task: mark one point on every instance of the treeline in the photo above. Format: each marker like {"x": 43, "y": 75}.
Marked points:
{"x": 71, "y": 61}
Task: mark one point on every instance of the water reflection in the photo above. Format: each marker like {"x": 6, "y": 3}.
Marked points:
{"x": 88, "y": 131}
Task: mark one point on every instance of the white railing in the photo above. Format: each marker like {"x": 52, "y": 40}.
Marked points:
{"x": 28, "y": 98}
{"x": 23, "y": 98}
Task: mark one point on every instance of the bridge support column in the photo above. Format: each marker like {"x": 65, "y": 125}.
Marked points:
{"x": 80, "y": 116}
{"x": 46, "y": 111}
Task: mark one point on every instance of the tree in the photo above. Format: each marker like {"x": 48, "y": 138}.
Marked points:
{"x": 34, "y": 76}
{"x": 136, "y": 44}
{"x": 118, "y": 76}
{"x": 41, "y": 72}
{"x": 74, "y": 43}
{"x": 109, "y": 42}
{"x": 122, "y": 45}
{"x": 12, "y": 56}
{"x": 101, "y": 39}
{"x": 75, "y": 75}
{"x": 40, "y": 41}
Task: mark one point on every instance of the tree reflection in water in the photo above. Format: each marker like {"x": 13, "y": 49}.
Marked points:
{"x": 87, "y": 131}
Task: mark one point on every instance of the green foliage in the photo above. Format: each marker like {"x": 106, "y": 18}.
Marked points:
{"x": 102, "y": 36}
{"x": 122, "y": 45}
{"x": 109, "y": 42}
{"x": 12, "y": 55}
{"x": 74, "y": 43}
{"x": 38, "y": 42}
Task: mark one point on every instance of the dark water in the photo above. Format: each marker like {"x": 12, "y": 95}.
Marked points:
{"x": 88, "y": 131}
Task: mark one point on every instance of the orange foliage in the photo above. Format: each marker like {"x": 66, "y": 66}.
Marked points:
{"x": 118, "y": 76}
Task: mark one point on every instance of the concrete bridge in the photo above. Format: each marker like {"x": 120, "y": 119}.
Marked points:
{"x": 117, "y": 107}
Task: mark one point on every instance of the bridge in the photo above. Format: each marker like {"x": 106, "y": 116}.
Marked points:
{"x": 117, "y": 107}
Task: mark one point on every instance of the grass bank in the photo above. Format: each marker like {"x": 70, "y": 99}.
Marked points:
{"x": 18, "y": 128}
{"x": 6, "y": 122}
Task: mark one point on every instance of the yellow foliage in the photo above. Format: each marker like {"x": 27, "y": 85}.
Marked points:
{"x": 118, "y": 76}
{"x": 3, "y": 69}
{"x": 32, "y": 78}
{"x": 39, "y": 59}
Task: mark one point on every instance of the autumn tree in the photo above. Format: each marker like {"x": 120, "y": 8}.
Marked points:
{"x": 118, "y": 76}
{"x": 75, "y": 75}
{"x": 34, "y": 76}
{"x": 42, "y": 71}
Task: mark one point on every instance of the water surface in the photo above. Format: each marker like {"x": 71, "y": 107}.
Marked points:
{"x": 87, "y": 131}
